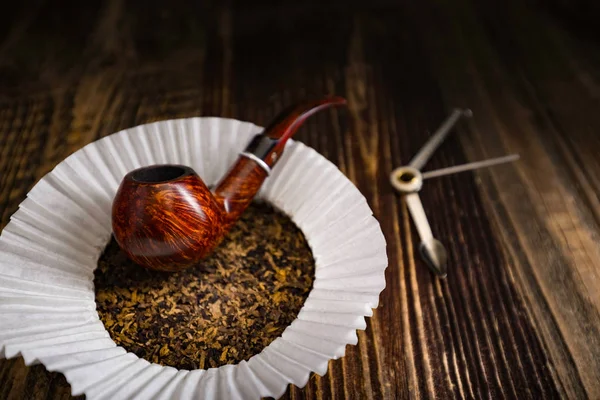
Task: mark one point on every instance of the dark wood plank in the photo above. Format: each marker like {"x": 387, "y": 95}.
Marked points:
{"x": 546, "y": 208}
{"x": 517, "y": 316}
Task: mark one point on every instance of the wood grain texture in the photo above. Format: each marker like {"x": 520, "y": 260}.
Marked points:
{"x": 518, "y": 315}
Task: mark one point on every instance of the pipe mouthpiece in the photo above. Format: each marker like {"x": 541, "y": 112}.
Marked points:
{"x": 270, "y": 144}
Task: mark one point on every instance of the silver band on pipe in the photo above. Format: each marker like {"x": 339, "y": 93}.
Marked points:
{"x": 257, "y": 160}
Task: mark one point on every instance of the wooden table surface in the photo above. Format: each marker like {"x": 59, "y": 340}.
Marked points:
{"x": 518, "y": 315}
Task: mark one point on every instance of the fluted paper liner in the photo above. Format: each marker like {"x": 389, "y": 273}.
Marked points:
{"x": 50, "y": 248}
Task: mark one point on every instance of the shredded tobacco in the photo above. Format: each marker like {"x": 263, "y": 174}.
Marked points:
{"x": 223, "y": 310}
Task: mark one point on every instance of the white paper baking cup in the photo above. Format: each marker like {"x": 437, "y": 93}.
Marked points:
{"x": 50, "y": 248}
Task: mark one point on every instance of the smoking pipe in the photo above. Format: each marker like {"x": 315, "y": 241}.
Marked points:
{"x": 165, "y": 218}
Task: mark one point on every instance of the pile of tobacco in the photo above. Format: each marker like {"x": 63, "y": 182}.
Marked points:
{"x": 224, "y": 310}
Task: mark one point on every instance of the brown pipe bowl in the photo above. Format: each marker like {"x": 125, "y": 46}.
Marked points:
{"x": 165, "y": 218}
